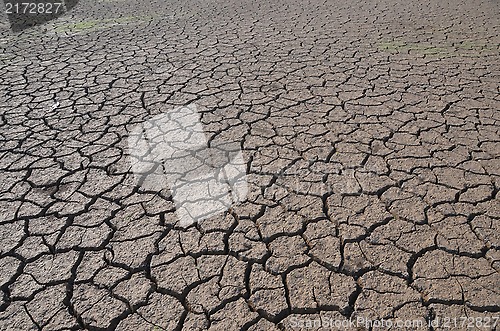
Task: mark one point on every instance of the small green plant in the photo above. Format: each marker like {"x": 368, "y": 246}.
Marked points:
{"x": 392, "y": 46}
{"x": 77, "y": 27}
{"x": 466, "y": 47}
{"x": 92, "y": 25}
{"x": 404, "y": 47}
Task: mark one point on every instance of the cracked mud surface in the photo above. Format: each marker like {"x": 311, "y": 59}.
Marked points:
{"x": 371, "y": 136}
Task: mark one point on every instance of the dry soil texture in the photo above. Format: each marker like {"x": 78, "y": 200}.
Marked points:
{"x": 370, "y": 130}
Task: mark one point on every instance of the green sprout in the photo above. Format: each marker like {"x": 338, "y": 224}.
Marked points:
{"x": 465, "y": 48}
{"x": 92, "y": 25}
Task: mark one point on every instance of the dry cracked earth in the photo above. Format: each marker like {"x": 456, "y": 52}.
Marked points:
{"x": 370, "y": 133}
